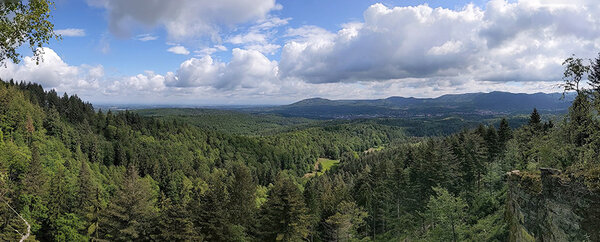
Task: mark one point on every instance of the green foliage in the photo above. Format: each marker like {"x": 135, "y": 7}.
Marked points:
{"x": 284, "y": 217}
{"x": 68, "y": 227}
{"x": 574, "y": 73}
{"x": 594, "y": 75}
{"x": 174, "y": 223}
{"x": 327, "y": 164}
{"x": 535, "y": 119}
{"x": 345, "y": 223}
{"x": 231, "y": 122}
{"x": 64, "y": 164}
{"x": 212, "y": 215}
{"x": 504, "y": 133}
{"x": 132, "y": 209}
{"x": 63, "y": 168}
{"x": 489, "y": 228}
{"x": 24, "y": 22}
{"x": 446, "y": 213}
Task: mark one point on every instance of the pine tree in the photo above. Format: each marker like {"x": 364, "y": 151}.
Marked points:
{"x": 504, "y": 133}
{"x": 94, "y": 218}
{"x": 492, "y": 142}
{"x": 481, "y": 130}
{"x": 210, "y": 209}
{"x": 60, "y": 205}
{"x": 8, "y": 220}
{"x": 34, "y": 177}
{"x": 88, "y": 200}
{"x": 284, "y": 215}
{"x": 581, "y": 124}
{"x": 446, "y": 213}
{"x": 594, "y": 75}
{"x": 470, "y": 149}
{"x": 58, "y": 202}
{"x": 344, "y": 224}
{"x": 175, "y": 223}
{"x": 242, "y": 205}
{"x": 535, "y": 120}
{"x": 129, "y": 215}
{"x": 86, "y": 191}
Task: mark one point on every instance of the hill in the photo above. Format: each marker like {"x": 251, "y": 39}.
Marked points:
{"x": 493, "y": 103}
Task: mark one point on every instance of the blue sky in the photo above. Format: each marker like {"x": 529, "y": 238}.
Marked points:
{"x": 272, "y": 52}
{"x": 124, "y": 54}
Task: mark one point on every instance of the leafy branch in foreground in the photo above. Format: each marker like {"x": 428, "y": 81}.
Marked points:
{"x": 24, "y": 22}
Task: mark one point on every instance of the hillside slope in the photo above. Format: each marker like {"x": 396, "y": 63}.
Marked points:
{"x": 493, "y": 103}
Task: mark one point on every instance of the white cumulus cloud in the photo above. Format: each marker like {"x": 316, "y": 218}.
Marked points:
{"x": 178, "y": 49}
{"x": 247, "y": 69}
{"x": 53, "y": 72}
{"x": 505, "y": 41}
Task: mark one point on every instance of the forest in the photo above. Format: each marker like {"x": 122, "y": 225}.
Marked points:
{"x": 73, "y": 173}
{"x": 459, "y": 167}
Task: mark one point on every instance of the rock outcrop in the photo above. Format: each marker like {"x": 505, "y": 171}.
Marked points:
{"x": 553, "y": 206}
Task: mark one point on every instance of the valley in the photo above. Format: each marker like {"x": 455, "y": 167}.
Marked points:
{"x": 314, "y": 121}
{"x": 377, "y": 178}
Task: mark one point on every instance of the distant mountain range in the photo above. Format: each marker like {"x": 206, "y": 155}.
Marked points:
{"x": 493, "y": 103}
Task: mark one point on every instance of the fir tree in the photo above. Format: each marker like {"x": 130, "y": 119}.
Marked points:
{"x": 130, "y": 212}
{"x": 86, "y": 188}
{"x": 344, "y": 224}
{"x": 492, "y": 142}
{"x": 535, "y": 119}
{"x": 210, "y": 210}
{"x": 175, "y": 223}
{"x": 504, "y": 132}
{"x": 34, "y": 177}
{"x": 58, "y": 202}
{"x": 284, "y": 215}
{"x": 594, "y": 75}
{"x": 446, "y": 213}
{"x": 242, "y": 205}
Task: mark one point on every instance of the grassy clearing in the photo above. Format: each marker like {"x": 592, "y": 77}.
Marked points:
{"x": 377, "y": 148}
{"x": 325, "y": 164}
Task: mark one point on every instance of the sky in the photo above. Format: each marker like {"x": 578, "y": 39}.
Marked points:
{"x": 244, "y": 52}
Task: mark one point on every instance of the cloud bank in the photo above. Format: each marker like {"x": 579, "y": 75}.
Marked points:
{"x": 407, "y": 51}
{"x": 523, "y": 41}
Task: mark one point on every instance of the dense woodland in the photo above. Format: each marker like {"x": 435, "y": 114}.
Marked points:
{"x": 230, "y": 121}
{"x": 76, "y": 174}
{"x": 249, "y": 123}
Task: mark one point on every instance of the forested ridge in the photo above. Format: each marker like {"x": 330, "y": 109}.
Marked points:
{"x": 398, "y": 169}
{"x": 76, "y": 174}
